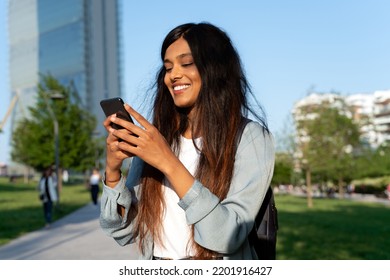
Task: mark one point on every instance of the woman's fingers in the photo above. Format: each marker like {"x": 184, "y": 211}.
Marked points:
{"x": 138, "y": 117}
{"x": 144, "y": 141}
{"x": 129, "y": 128}
{"x": 107, "y": 123}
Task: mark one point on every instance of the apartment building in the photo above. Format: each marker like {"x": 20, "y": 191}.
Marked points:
{"x": 370, "y": 110}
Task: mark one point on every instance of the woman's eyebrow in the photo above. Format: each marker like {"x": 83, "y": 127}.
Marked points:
{"x": 166, "y": 60}
{"x": 184, "y": 55}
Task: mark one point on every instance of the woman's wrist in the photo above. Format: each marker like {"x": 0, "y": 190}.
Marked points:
{"x": 111, "y": 178}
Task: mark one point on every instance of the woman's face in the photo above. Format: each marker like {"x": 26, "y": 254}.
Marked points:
{"x": 182, "y": 77}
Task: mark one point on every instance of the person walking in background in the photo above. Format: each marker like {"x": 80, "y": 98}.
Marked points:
{"x": 48, "y": 194}
{"x": 65, "y": 176}
{"x": 94, "y": 181}
{"x": 388, "y": 191}
{"x": 193, "y": 190}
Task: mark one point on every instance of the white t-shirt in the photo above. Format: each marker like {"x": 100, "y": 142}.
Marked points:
{"x": 94, "y": 179}
{"x": 175, "y": 231}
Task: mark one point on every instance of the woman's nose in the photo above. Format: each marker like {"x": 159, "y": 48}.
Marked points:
{"x": 176, "y": 73}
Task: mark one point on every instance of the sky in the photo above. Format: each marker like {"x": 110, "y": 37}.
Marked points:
{"x": 287, "y": 48}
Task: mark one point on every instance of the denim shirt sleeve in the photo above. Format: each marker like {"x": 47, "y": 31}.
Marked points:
{"x": 223, "y": 226}
{"x": 123, "y": 194}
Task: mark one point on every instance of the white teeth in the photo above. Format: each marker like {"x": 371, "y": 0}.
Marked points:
{"x": 180, "y": 87}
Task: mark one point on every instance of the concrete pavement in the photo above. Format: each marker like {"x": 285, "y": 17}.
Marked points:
{"x": 77, "y": 236}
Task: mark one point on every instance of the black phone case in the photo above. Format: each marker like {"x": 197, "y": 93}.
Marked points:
{"x": 115, "y": 106}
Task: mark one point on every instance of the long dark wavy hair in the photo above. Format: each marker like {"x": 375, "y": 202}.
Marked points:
{"x": 221, "y": 104}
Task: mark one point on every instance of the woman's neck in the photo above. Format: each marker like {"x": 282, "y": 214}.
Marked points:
{"x": 191, "y": 127}
{"x": 187, "y": 134}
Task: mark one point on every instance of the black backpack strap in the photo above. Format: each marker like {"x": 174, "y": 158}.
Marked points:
{"x": 266, "y": 220}
{"x": 263, "y": 234}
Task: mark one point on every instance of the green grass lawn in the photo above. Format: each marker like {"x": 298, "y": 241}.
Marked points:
{"x": 332, "y": 230}
{"x": 21, "y": 210}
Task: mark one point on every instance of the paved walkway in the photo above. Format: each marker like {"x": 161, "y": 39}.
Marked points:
{"x": 369, "y": 198}
{"x": 77, "y": 236}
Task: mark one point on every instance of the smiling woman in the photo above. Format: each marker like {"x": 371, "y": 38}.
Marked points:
{"x": 192, "y": 191}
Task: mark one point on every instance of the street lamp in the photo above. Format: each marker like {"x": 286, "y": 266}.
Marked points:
{"x": 95, "y": 134}
{"x": 54, "y": 95}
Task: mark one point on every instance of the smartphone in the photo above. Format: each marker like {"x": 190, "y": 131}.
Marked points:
{"x": 115, "y": 106}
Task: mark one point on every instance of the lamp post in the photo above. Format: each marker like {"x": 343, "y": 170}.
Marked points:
{"x": 95, "y": 135}
{"x": 55, "y": 96}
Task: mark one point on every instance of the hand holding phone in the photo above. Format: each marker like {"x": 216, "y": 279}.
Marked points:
{"x": 115, "y": 106}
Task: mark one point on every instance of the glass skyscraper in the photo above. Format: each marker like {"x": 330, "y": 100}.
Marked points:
{"x": 76, "y": 41}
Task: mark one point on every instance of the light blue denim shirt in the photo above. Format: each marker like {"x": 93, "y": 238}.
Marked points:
{"x": 221, "y": 226}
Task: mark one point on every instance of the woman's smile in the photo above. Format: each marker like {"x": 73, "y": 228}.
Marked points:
{"x": 178, "y": 89}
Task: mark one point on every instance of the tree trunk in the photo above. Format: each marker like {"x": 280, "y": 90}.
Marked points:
{"x": 341, "y": 189}
{"x": 309, "y": 189}
{"x": 26, "y": 173}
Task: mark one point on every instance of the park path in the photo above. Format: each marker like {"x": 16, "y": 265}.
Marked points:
{"x": 77, "y": 236}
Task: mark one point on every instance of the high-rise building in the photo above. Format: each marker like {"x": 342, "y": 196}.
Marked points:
{"x": 75, "y": 41}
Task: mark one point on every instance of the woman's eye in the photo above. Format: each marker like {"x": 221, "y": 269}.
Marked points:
{"x": 188, "y": 64}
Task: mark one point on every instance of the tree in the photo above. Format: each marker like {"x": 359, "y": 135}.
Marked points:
{"x": 33, "y": 138}
{"x": 374, "y": 163}
{"x": 327, "y": 141}
{"x": 335, "y": 137}
{"x": 283, "y": 171}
